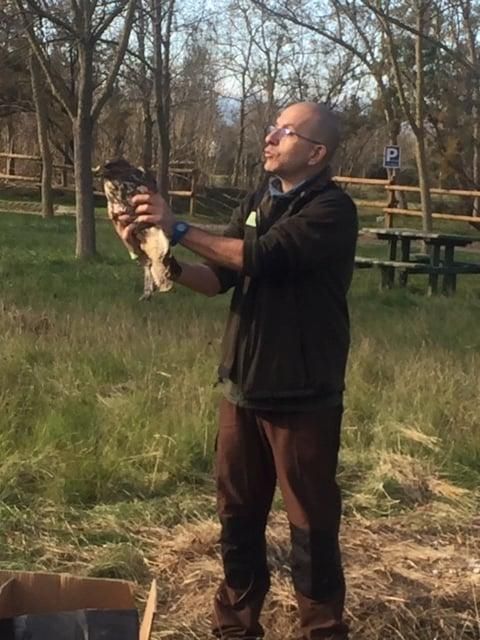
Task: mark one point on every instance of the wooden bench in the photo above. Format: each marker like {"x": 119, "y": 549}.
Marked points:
{"x": 389, "y": 267}
{"x": 363, "y": 263}
{"x": 438, "y": 258}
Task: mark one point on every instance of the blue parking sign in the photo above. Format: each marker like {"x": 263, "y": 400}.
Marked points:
{"x": 391, "y": 157}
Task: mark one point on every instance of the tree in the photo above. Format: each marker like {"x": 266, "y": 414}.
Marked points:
{"x": 415, "y": 115}
{"x": 238, "y": 64}
{"x": 145, "y": 85}
{"x": 466, "y": 58}
{"x": 195, "y": 129}
{"x": 162, "y": 15}
{"x": 471, "y": 20}
{"x": 15, "y": 88}
{"x": 82, "y": 26}
{"x": 41, "y": 111}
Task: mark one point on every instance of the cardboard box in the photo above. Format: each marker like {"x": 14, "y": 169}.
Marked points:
{"x": 35, "y": 594}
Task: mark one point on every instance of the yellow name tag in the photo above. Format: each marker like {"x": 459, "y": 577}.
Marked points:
{"x": 251, "y": 221}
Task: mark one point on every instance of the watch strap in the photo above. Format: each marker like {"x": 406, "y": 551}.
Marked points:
{"x": 180, "y": 228}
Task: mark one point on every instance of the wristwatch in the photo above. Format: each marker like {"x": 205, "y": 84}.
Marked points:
{"x": 179, "y": 230}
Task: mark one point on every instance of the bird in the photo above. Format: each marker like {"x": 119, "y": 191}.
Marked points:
{"x": 150, "y": 246}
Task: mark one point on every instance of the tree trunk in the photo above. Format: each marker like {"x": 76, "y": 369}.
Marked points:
{"x": 422, "y": 165}
{"x": 83, "y": 152}
{"x": 163, "y": 133}
{"x": 424, "y": 182}
{"x": 41, "y": 111}
{"x": 476, "y": 149}
{"x": 66, "y": 161}
{"x": 163, "y": 141}
{"x": 241, "y": 138}
{"x": 10, "y": 147}
{"x": 146, "y": 89}
{"x": 84, "y": 199}
{"x": 147, "y": 151}
{"x": 469, "y": 25}
{"x": 162, "y": 90}
{"x": 163, "y": 164}
{"x": 270, "y": 99}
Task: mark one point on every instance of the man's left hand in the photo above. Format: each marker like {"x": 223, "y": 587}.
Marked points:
{"x": 151, "y": 208}
{"x": 121, "y": 221}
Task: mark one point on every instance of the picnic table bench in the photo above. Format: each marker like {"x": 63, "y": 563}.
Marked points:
{"x": 439, "y": 261}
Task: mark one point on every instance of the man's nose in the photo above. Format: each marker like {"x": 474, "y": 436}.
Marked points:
{"x": 271, "y": 138}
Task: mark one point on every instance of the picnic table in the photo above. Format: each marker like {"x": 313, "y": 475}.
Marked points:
{"x": 438, "y": 261}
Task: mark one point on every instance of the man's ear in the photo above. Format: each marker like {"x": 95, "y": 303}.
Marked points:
{"x": 318, "y": 155}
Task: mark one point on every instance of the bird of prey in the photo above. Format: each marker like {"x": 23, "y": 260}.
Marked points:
{"x": 121, "y": 181}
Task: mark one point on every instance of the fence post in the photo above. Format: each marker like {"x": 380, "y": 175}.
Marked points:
{"x": 392, "y": 202}
{"x": 193, "y": 189}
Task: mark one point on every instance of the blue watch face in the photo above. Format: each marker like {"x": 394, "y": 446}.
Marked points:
{"x": 181, "y": 226}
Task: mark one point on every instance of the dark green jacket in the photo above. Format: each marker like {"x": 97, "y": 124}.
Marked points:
{"x": 287, "y": 335}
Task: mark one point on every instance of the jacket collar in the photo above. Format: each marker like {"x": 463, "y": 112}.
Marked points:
{"x": 314, "y": 183}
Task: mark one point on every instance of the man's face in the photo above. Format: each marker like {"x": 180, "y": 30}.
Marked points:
{"x": 289, "y": 155}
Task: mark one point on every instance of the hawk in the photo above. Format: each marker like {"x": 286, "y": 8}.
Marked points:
{"x": 121, "y": 181}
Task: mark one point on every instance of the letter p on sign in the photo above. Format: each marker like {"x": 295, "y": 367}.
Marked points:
{"x": 391, "y": 157}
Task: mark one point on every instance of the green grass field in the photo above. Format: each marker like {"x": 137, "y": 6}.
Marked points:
{"x": 108, "y": 410}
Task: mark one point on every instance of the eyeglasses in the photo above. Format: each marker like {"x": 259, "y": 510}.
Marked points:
{"x": 282, "y": 132}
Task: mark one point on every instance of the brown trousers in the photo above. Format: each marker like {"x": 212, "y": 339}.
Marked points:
{"x": 254, "y": 450}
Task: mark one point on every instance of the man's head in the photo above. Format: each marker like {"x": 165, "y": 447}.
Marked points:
{"x": 302, "y": 143}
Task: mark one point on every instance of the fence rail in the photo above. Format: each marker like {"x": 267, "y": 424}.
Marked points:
{"x": 438, "y": 216}
{"x": 435, "y": 190}
{"x": 365, "y": 181}
{"x": 182, "y": 170}
{"x": 390, "y": 206}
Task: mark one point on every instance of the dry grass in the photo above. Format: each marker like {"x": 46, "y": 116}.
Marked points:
{"x": 404, "y": 581}
{"x": 411, "y": 576}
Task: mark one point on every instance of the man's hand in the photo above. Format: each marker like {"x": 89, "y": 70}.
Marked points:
{"x": 150, "y": 209}
{"x": 121, "y": 220}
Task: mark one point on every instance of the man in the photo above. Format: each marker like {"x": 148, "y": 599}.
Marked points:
{"x": 288, "y": 252}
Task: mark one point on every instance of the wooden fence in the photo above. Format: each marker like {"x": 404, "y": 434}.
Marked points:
{"x": 184, "y": 179}
{"x": 390, "y": 206}
{"x": 183, "y": 176}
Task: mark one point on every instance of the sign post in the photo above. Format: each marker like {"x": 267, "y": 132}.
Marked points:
{"x": 391, "y": 162}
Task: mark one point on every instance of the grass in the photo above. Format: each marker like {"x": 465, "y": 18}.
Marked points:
{"x": 108, "y": 412}
{"x": 119, "y": 395}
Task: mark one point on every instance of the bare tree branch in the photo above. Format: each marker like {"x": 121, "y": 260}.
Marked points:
{"x": 59, "y": 88}
{"x": 397, "y": 74}
{"x": 291, "y": 16}
{"x": 102, "y": 26}
{"x": 456, "y": 55}
{"x": 38, "y": 10}
{"x": 122, "y": 47}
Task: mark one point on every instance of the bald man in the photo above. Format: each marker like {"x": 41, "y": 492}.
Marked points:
{"x": 288, "y": 254}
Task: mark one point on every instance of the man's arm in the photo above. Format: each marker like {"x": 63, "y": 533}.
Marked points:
{"x": 298, "y": 243}
{"x": 226, "y": 252}
{"x": 199, "y": 278}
